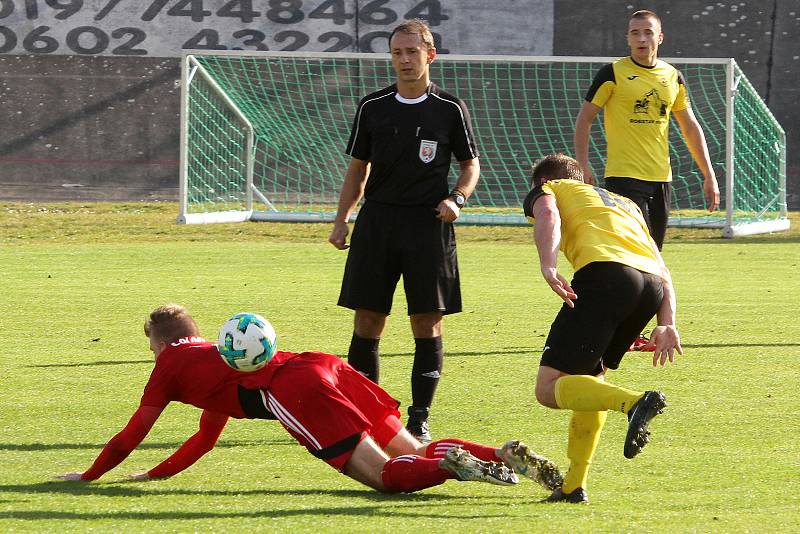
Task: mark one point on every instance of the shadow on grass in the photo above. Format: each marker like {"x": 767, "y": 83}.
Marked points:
{"x": 510, "y": 351}
{"x": 167, "y": 446}
{"x": 326, "y": 512}
{"x": 141, "y": 488}
{"x": 91, "y": 364}
{"x": 536, "y": 351}
{"x": 151, "y": 489}
{"x": 149, "y": 361}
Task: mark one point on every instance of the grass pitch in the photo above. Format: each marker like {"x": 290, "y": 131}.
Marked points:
{"x": 77, "y": 282}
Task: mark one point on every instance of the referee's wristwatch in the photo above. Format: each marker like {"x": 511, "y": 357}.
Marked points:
{"x": 459, "y": 199}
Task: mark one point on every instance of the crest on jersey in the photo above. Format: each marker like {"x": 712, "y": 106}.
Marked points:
{"x": 427, "y": 150}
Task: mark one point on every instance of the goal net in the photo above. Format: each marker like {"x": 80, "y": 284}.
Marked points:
{"x": 263, "y": 134}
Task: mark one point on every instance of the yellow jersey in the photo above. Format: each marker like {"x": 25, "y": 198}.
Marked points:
{"x": 637, "y": 102}
{"x": 598, "y": 225}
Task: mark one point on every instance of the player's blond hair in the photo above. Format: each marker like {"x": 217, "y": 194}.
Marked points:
{"x": 169, "y": 323}
{"x": 556, "y": 166}
{"x": 415, "y": 26}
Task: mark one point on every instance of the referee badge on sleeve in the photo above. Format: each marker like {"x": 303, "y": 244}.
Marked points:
{"x": 427, "y": 150}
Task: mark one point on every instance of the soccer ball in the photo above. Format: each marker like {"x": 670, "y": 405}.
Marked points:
{"x": 247, "y": 342}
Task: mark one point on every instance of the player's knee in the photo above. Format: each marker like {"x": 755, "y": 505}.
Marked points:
{"x": 545, "y": 394}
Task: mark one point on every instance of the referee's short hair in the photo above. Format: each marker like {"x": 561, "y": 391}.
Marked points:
{"x": 411, "y": 27}
{"x": 556, "y": 166}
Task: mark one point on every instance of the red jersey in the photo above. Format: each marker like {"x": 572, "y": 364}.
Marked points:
{"x": 193, "y": 372}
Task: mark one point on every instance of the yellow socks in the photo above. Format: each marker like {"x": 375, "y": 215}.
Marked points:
{"x": 584, "y": 434}
{"x": 589, "y": 398}
{"x": 586, "y": 393}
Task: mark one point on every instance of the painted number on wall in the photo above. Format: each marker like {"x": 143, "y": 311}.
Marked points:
{"x": 164, "y": 27}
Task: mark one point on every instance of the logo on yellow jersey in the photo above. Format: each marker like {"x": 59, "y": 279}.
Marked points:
{"x": 651, "y": 97}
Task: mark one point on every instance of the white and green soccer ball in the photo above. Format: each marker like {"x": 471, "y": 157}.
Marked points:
{"x": 247, "y": 342}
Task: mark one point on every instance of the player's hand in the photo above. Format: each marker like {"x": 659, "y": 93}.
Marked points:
{"x": 711, "y": 190}
{"x": 560, "y": 286}
{"x": 338, "y": 237}
{"x": 447, "y": 210}
{"x": 667, "y": 341}
{"x": 70, "y": 476}
{"x": 588, "y": 175}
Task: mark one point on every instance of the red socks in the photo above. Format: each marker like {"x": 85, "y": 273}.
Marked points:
{"x": 438, "y": 449}
{"x": 409, "y": 473}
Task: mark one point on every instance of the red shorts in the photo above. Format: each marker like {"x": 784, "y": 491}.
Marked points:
{"x": 329, "y": 407}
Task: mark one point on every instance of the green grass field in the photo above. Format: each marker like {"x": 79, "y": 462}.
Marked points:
{"x": 77, "y": 282}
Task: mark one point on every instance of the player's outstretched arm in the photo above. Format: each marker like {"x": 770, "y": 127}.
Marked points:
{"x": 583, "y": 126}
{"x": 696, "y": 141}
{"x": 352, "y": 190}
{"x": 211, "y": 426}
{"x": 121, "y": 445}
{"x": 547, "y": 233}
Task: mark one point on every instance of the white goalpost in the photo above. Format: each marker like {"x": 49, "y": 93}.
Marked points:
{"x": 263, "y": 134}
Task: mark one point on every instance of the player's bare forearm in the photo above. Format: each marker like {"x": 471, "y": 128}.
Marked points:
{"x": 547, "y": 234}
{"x": 547, "y": 231}
{"x": 583, "y": 127}
{"x": 696, "y": 142}
{"x": 667, "y": 311}
{"x": 665, "y": 336}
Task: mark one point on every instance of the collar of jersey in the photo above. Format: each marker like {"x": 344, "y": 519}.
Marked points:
{"x": 643, "y": 66}
{"x": 417, "y": 100}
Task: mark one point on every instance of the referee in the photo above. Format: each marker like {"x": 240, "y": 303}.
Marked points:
{"x": 401, "y": 146}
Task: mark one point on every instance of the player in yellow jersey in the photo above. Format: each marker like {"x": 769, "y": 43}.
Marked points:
{"x": 638, "y": 93}
{"x": 620, "y": 283}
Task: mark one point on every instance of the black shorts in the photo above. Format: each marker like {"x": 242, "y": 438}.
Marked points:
{"x": 390, "y": 241}
{"x": 653, "y": 198}
{"x": 615, "y": 302}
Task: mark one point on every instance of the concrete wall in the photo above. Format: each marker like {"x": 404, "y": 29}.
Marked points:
{"x": 104, "y": 124}
{"x": 88, "y": 128}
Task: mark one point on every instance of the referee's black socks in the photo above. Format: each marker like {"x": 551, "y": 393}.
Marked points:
{"x": 428, "y": 359}
{"x": 364, "y": 356}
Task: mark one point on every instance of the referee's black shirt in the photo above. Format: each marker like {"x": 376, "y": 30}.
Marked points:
{"x": 410, "y": 144}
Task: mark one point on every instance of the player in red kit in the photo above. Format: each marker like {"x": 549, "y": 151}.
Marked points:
{"x": 339, "y": 415}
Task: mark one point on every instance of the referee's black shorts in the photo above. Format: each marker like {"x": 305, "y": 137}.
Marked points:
{"x": 390, "y": 241}
{"x": 615, "y": 302}
{"x": 653, "y": 198}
